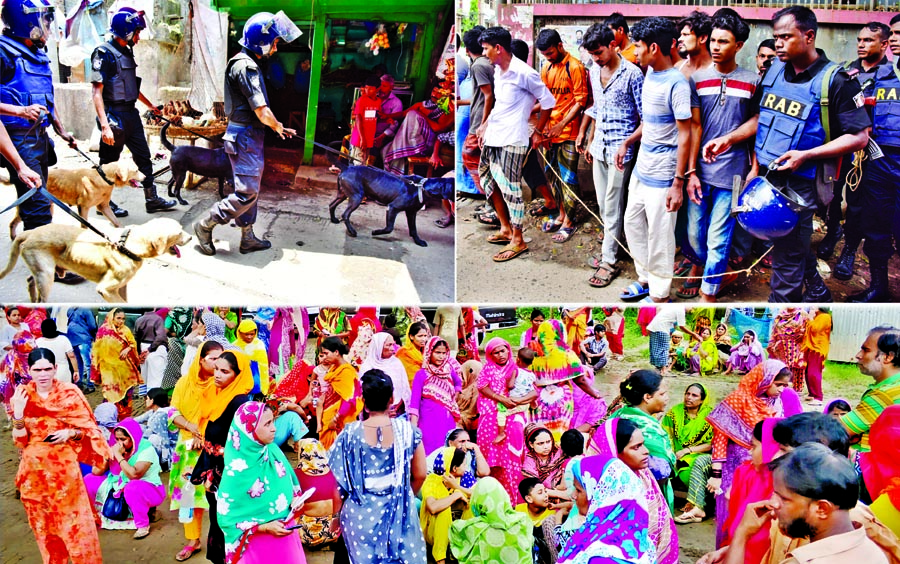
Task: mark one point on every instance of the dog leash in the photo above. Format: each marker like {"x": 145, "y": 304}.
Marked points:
{"x": 192, "y": 132}
{"x": 120, "y": 245}
{"x": 96, "y": 167}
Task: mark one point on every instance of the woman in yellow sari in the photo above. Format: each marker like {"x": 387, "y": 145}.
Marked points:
{"x": 331, "y": 322}
{"x": 575, "y": 321}
{"x": 342, "y": 399}
{"x": 411, "y": 353}
{"x": 115, "y": 362}
{"x": 445, "y": 491}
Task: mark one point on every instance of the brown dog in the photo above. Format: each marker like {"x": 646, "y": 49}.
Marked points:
{"x": 85, "y": 188}
{"x": 86, "y": 253}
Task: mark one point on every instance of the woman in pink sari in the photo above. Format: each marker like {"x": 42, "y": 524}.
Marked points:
{"x": 505, "y": 458}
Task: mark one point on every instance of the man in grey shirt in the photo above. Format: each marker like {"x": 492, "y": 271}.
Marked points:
{"x": 482, "y": 72}
{"x": 720, "y": 104}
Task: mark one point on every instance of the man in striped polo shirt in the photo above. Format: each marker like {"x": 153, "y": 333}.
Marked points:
{"x": 720, "y": 104}
{"x": 878, "y": 357}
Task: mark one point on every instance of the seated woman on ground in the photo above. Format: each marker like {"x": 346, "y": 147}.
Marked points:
{"x": 746, "y": 355}
{"x": 155, "y": 425}
{"x": 445, "y": 495}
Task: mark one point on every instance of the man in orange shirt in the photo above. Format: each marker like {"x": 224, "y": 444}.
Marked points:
{"x": 616, "y": 22}
{"x": 566, "y": 78}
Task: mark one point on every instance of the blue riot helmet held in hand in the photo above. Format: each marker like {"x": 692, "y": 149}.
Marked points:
{"x": 768, "y": 212}
{"x": 263, "y": 29}
{"x": 30, "y": 20}
{"x": 126, "y": 22}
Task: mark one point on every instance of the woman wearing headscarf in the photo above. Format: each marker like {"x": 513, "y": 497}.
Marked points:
{"x": 331, "y": 322}
{"x": 613, "y": 518}
{"x": 282, "y": 344}
{"x": 379, "y": 465}
{"x": 496, "y": 533}
{"x": 762, "y": 393}
{"x": 54, "y": 427}
{"x": 381, "y": 356}
{"x": 250, "y": 344}
{"x": 319, "y": 521}
{"x": 433, "y": 399}
{"x": 786, "y": 343}
{"x": 133, "y": 474}
{"x": 107, "y": 417}
{"x": 446, "y": 491}
{"x": 411, "y": 354}
{"x": 259, "y": 494}
{"x": 178, "y": 326}
{"x": 691, "y": 436}
{"x": 14, "y": 367}
{"x": 623, "y": 439}
{"x": 816, "y": 342}
{"x": 115, "y": 362}
{"x": 191, "y": 392}
{"x": 232, "y": 382}
{"x": 363, "y": 326}
{"x": 746, "y": 355}
{"x": 341, "y": 400}
{"x": 555, "y": 368}
{"x": 505, "y": 458}
{"x": 544, "y": 459}
{"x": 704, "y": 355}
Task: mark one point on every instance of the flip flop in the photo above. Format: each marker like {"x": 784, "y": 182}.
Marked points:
{"x": 444, "y": 221}
{"x": 610, "y": 271}
{"x": 683, "y": 267}
{"x": 690, "y": 289}
{"x": 187, "y": 552}
{"x": 634, "y": 291}
{"x": 543, "y": 210}
{"x": 489, "y": 218}
{"x": 498, "y": 239}
{"x": 566, "y": 233}
{"x": 516, "y": 251}
{"x": 551, "y": 225}
{"x": 684, "y": 519}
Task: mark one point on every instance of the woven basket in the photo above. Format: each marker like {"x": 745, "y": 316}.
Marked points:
{"x": 175, "y": 132}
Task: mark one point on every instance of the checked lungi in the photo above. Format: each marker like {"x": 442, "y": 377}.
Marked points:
{"x": 501, "y": 167}
{"x": 563, "y": 158}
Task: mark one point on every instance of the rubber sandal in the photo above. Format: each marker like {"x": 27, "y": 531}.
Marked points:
{"x": 187, "y": 552}
{"x": 634, "y": 291}
{"x": 498, "y": 239}
{"x": 593, "y": 262}
{"x": 444, "y": 222}
{"x": 685, "y": 519}
{"x": 543, "y": 210}
{"x": 604, "y": 281}
{"x": 566, "y": 232}
{"x": 516, "y": 251}
{"x": 689, "y": 290}
{"x": 683, "y": 267}
{"x": 551, "y": 226}
{"x": 489, "y": 218}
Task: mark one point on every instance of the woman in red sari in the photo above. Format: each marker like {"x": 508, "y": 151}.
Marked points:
{"x": 786, "y": 344}
{"x": 363, "y": 327}
{"x": 55, "y": 428}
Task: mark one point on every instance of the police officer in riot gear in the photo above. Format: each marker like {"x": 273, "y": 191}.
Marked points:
{"x": 116, "y": 88}
{"x": 792, "y": 137}
{"x": 27, "y": 108}
{"x": 247, "y": 107}
{"x": 880, "y": 185}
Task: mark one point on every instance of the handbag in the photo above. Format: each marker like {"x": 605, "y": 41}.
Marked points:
{"x": 115, "y": 508}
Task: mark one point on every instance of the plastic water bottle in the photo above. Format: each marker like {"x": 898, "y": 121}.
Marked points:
{"x": 186, "y": 512}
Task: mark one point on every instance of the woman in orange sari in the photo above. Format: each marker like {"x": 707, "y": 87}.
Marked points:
{"x": 575, "y": 320}
{"x": 342, "y": 398}
{"x": 55, "y": 428}
{"x": 115, "y": 362}
{"x": 411, "y": 353}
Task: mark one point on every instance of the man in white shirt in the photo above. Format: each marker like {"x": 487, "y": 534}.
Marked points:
{"x": 505, "y": 139}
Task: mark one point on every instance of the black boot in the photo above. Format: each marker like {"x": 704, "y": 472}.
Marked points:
{"x": 203, "y": 230}
{"x": 816, "y": 291}
{"x": 250, "y": 243}
{"x": 878, "y": 290}
{"x": 154, "y": 203}
{"x": 117, "y": 211}
{"x": 843, "y": 270}
{"x": 828, "y": 243}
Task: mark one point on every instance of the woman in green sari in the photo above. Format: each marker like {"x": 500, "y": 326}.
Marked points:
{"x": 496, "y": 533}
{"x": 646, "y": 394}
{"x": 691, "y": 438}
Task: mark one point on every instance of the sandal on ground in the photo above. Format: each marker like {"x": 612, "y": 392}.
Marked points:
{"x": 543, "y": 210}
{"x": 604, "y": 275}
{"x": 141, "y": 533}
{"x": 498, "y": 239}
{"x": 634, "y": 291}
{"x": 515, "y": 251}
{"x": 690, "y": 289}
{"x": 445, "y": 221}
{"x": 564, "y": 234}
{"x": 683, "y": 267}
{"x": 187, "y": 552}
{"x": 551, "y": 225}
{"x": 688, "y": 517}
{"x": 489, "y": 218}
{"x": 737, "y": 263}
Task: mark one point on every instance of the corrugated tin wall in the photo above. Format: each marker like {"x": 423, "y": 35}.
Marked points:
{"x": 852, "y": 323}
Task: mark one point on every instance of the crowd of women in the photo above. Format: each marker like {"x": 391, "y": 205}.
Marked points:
{"x": 390, "y": 449}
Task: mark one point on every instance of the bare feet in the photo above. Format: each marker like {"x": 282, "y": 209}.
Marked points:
{"x": 501, "y": 436}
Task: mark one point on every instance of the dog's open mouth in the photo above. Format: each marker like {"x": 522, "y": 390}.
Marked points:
{"x": 135, "y": 184}
{"x": 175, "y": 251}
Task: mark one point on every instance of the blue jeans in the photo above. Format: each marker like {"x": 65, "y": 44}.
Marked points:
{"x": 83, "y": 356}
{"x": 289, "y": 426}
{"x": 709, "y": 230}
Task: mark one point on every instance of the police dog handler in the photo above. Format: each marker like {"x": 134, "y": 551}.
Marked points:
{"x": 792, "y": 135}
{"x": 116, "y": 89}
{"x": 247, "y": 107}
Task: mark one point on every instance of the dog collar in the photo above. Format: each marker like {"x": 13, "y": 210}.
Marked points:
{"x": 120, "y": 246}
{"x": 103, "y": 175}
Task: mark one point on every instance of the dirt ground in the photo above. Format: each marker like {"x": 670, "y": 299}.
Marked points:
{"x": 308, "y": 251}
{"x": 17, "y": 543}
{"x": 551, "y": 271}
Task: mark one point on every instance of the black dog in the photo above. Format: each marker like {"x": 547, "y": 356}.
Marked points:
{"x": 406, "y": 194}
{"x": 212, "y": 163}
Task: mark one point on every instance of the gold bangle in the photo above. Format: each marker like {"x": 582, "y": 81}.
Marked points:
{"x": 19, "y": 423}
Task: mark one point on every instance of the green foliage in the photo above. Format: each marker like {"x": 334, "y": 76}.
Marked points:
{"x": 467, "y": 23}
